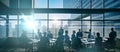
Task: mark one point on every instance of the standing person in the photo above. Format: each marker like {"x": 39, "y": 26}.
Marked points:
{"x": 79, "y": 34}
{"x": 39, "y": 34}
{"x": 73, "y": 39}
{"x": 111, "y": 43}
{"x": 73, "y": 36}
{"x": 59, "y": 42}
{"x": 113, "y": 34}
{"x": 60, "y": 32}
{"x": 67, "y": 39}
{"x": 90, "y": 36}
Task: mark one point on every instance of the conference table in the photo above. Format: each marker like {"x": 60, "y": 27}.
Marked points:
{"x": 89, "y": 43}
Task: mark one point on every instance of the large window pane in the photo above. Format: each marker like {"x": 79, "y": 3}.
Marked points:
{"x": 25, "y": 4}
{"x": 40, "y": 3}
{"x": 112, "y": 3}
{"x": 97, "y": 4}
{"x": 40, "y": 16}
{"x": 55, "y": 3}
{"x": 3, "y": 29}
{"x": 112, "y": 16}
{"x": 73, "y": 25}
{"x": 97, "y": 16}
{"x": 13, "y": 29}
{"x": 85, "y": 4}
{"x": 112, "y": 24}
{"x": 86, "y": 17}
{"x": 13, "y": 17}
{"x": 59, "y": 16}
{"x": 85, "y": 27}
{"x": 97, "y": 26}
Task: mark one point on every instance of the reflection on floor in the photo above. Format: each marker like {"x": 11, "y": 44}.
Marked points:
{"x": 67, "y": 50}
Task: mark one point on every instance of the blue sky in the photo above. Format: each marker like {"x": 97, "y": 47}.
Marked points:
{"x": 56, "y": 3}
{"x": 52, "y": 3}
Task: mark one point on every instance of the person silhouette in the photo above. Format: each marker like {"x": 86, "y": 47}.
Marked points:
{"x": 39, "y": 34}
{"x": 73, "y": 36}
{"x": 78, "y": 43}
{"x": 111, "y": 43}
{"x": 98, "y": 42}
{"x": 24, "y": 40}
{"x": 90, "y": 36}
{"x": 73, "y": 39}
{"x": 59, "y": 42}
{"x": 44, "y": 43}
{"x": 50, "y": 35}
{"x": 79, "y": 34}
{"x": 24, "y": 37}
{"x": 67, "y": 39}
{"x": 112, "y": 34}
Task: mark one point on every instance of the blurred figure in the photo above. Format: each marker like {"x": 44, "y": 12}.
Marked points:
{"x": 98, "y": 42}
{"x": 44, "y": 43}
{"x": 24, "y": 41}
{"x": 67, "y": 39}
{"x": 73, "y": 39}
{"x": 59, "y": 42}
{"x": 39, "y": 34}
{"x": 113, "y": 34}
{"x": 73, "y": 36}
{"x": 78, "y": 43}
{"x": 50, "y": 35}
{"x": 79, "y": 34}
{"x": 60, "y": 32}
{"x": 45, "y": 39}
{"x": 110, "y": 44}
{"x": 24, "y": 37}
{"x": 90, "y": 36}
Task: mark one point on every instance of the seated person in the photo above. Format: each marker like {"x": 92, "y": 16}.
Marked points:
{"x": 98, "y": 41}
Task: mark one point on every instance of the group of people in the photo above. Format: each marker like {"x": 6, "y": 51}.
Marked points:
{"x": 110, "y": 43}
{"x": 75, "y": 41}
